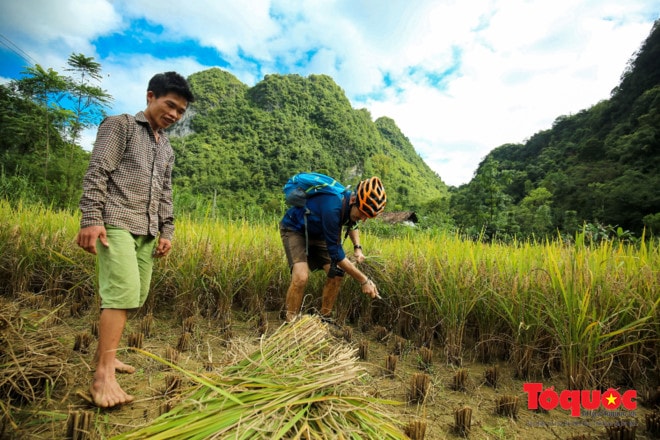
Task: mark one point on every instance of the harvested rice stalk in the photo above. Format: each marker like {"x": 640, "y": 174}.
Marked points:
{"x": 653, "y": 424}
{"x": 507, "y": 406}
{"x": 416, "y": 429}
{"x": 293, "y": 386}
{"x": 171, "y": 355}
{"x": 31, "y": 362}
{"x": 185, "y": 342}
{"x": 136, "y": 340}
{"x": 621, "y": 429}
{"x": 262, "y": 324}
{"x": 82, "y": 342}
{"x": 425, "y": 360}
{"x": 146, "y": 325}
{"x": 79, "y": 424}
{"x": 381, "y": 333}
{"x": 363, "y": 350}
{"x": 419, "y": 387}
{"x": 491, "y": 376}
{"x": 390, "y": 365}
{"x": 460, "y": 380}
{"x": 189, "y": 325}
{"x": 399, "y": 345}
{"x": 463, "y": 420}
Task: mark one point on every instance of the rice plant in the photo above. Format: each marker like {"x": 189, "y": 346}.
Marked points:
{"x": 38, "y": 253}
{"x": 591, "y": 311}
{"x": 588, "y": 320}
{"x": 454, "y": 291}
{"x": 516, "y": 299}
{"x": 293, "y": 386}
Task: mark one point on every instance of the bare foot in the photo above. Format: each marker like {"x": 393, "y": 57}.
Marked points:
{"x": 108, "y": 393}
{"x": 121, "y": 367}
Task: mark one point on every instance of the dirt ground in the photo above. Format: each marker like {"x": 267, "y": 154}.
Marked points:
{"x": 210, "y": 347}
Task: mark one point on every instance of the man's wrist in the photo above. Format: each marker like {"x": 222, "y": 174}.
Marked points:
{"x": 356, "y": 247}
{"x": 363, "y": 283}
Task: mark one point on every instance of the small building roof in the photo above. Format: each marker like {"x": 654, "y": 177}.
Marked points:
{"x": 398, "y": 217}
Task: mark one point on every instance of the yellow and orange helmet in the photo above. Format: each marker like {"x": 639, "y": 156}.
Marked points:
{"x": 371, "y": 197}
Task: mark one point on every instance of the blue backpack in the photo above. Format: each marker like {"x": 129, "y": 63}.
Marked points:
{"x": 302, "y": 186}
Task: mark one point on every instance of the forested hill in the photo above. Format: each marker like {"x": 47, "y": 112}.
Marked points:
{"x": 600, "y": 165}
{"x": 238, "y": 145}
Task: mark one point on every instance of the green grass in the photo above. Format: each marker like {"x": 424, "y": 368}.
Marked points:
{"x": 586, "y": 310}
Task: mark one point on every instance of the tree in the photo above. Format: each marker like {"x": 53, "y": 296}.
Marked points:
{"x": 488, "y": 186}
{"x": 46, "y": 88}
{"x": 89, "y": 101}
{"x": 40, "y": 112}
{"x": 89, "y": 104}
{"x": 534, "y": 212}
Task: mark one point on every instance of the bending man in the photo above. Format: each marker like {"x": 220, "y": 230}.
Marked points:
{"x": 328, "y": 214}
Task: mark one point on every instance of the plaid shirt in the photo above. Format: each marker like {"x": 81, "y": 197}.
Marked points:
{"x": 129, "y": 180}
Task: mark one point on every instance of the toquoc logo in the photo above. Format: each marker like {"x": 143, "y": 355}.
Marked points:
{"x": 577, "y": 400}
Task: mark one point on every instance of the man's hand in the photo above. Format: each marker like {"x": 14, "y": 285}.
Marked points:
{"x": 359, "y": 256}
{"x": 87, "y": 237}
{"x": 369, "y": 288}
{"x": 163, "y": 248}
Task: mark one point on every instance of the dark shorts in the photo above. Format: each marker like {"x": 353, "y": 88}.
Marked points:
{"x": 294, "y": 247}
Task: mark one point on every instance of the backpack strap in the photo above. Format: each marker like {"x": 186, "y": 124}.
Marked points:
{"x": 307, "y": 212}
{"x": 350, "y": 225}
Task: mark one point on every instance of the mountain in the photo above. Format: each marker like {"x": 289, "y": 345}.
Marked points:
{"x": 600, "y": 165}
{"x": 238, "y": 145}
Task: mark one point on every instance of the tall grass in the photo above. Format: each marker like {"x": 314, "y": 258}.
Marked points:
{"x": 454, "y": 290}
{"x": 586, "y": 311}
{"x": 595, "y": 308}
{"x": 218, "y": 264}
{"x": 517, "y": 300}
{"x": 38, "y": 252}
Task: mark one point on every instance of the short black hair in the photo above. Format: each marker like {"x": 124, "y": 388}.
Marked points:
{"x": 163, "y": 83}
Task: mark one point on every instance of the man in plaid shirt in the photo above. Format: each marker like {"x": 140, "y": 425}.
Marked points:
{"x": 127, "y": 217}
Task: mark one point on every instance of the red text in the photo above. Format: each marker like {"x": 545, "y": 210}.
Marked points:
{"x": 577, "y": 400}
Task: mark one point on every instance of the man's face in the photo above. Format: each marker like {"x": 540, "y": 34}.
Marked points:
{"x": 357, "y": 215}
{"x": 165, "y": 110}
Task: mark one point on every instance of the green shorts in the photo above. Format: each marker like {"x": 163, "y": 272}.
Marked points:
{"x": 294, "y": 247}
{"x": 124, "y": 269}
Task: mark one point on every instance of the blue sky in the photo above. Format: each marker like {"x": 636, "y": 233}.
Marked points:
{"x": 459, "y": 77}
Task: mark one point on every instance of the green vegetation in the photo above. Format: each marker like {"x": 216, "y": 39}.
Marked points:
{"x": 41, "y": 118}
{"x": 589, "y": 311}
{"x": 293, "y": 386}
{"x": 237, "y": 145}
{"x": 599, "y": 166}
{"x": 546, "y": 258}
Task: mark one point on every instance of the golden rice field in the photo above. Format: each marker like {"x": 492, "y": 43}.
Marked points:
{"x": 572, "y": 316}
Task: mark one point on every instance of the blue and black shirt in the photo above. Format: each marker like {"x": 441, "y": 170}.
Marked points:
{"x": 327, "y": 215}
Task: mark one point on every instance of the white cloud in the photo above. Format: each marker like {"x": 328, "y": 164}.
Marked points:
{"x": 229, "y": 26}
{"x": 50, "y": 31}
{"x": 513, "y": 66}
{"x": 127, "y": 77}
{"x": 525, "y": 67}
{"x": 72, "y": 21}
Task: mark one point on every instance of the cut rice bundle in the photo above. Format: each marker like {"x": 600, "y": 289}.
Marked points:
{"x": 294, "y": 386}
